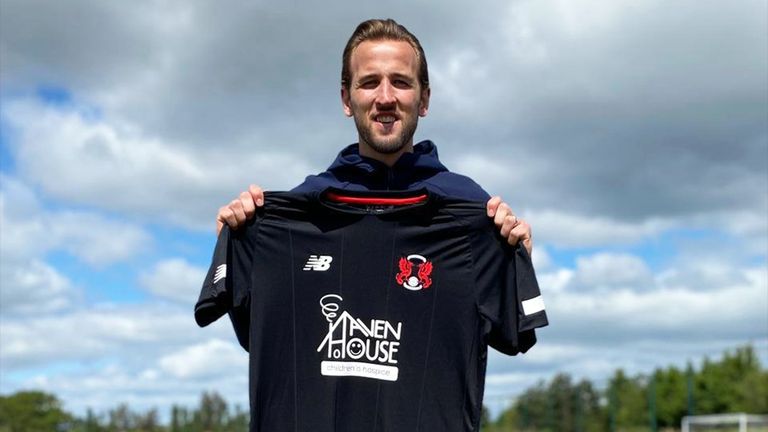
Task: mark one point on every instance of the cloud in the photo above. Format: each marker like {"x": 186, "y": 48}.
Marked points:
{"x": 96, "y": 240}
{"x": 149, "y": 356}
{"x": 116, "y": 168}
{"x": 570, "y": 229}
{"x": 174, "y": 279}
{"x": 31, "y": 287}
{"x": 30, "y": 283}
{"x": 613, "y": 314}
{"x": 198, "y": 360}
{"x": 131, "y": 333}
{"x": 103, "y": 387}
{"x": 612, "y": 271}
{"x": 30, "y": 231}
{"x": 593, "y": 113}
{"x": 605, "y": 118}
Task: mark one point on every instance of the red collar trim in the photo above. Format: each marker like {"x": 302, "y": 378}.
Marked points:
{"x": 376, "y": 201}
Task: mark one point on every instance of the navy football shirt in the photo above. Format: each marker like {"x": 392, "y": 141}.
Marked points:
{"x": 373, "y": 313}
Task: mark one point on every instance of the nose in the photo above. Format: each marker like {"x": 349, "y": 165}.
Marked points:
{"x": 386, "y": 93}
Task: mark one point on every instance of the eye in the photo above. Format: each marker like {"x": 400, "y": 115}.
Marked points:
{"x": 402, "y": 84}
{"x": 369, "y": 84}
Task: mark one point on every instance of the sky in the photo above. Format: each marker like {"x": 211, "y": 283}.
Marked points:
{"x": 631, "y": 135}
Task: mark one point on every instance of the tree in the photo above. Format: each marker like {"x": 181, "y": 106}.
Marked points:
{"x": 239, "y": 421}
{"x": 92, "y": 422}
{"x": 560, "y": 405}
{"x": 147, "y": 422}
{"x": 723, "y": 386}
{"x": 589, "y": 414}
{"x": 630, "y": 405}
{"x": 671, "y": 391}
{"x": 752, "y": 392}
{"x": 180, "y": 419}
{"x": 485, "y": 419}
{"x": 121, "y": 419}
{"x": 212, "y": 415}
{"x": 32, "y": 411}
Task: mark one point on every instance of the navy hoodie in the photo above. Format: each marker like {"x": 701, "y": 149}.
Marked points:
{"x": 417, "y": 170}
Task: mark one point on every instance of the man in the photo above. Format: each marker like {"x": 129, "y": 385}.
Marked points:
{"x": 385, "y": 89}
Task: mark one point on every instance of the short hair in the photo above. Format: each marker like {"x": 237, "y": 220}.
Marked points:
{"x": 380, "y": 30}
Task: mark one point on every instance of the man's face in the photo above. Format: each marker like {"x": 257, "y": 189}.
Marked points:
{"x": 385, "y": 96}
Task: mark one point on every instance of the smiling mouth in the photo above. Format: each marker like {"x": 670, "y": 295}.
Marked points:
{"x": 385, "y": 118}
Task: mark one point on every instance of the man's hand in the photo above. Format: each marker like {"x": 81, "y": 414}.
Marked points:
{"x": 513, "y": 229}
{"x": 240, "y": 209}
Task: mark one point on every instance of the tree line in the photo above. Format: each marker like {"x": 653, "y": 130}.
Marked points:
{"x": 36, "y": 411}
{"x": 659, "y": 400}
{"x": 736, "y": 383}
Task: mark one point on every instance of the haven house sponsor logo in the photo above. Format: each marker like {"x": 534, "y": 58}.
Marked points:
{"x": 354, "y": 347}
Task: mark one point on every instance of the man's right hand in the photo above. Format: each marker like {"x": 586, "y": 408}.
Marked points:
{"x": 240, "y": 209}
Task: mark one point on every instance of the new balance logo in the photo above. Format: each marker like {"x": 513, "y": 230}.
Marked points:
{"x": 318, "y": 263}
{"x": 221, "y": 273}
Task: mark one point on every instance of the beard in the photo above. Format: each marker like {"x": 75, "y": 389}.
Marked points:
{"x": 386, "y": 145}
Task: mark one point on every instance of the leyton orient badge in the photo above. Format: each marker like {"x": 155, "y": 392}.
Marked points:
{"x": 421, "y": 279}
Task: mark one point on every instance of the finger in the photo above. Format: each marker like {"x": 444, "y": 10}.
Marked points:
{"x": 257, "y": 195}
{"x": 522, "y": 233}
{"x": 492, "y": 205}
{"x": 221, "y": 219}
{"x": 225, "y": 216}
{"x": 249, "y": 206}
{"x": 527, "y": 237}
{"x": 509, "y": 223}
{"x": 239, "y": 213}
{"x": 513, "y": 238}
{"x": 501, "y": 214}
{"x": 528, "y": 244}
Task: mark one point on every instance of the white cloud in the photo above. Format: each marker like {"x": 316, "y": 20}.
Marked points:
{"x": 131, "y": 333}
{"x": 147, "y": 356}
{"x": 103, "y": 387}
{"x": 612, "y": 271}
{"x": 116, "y": 167}
{"x": 542, "y": 261}
{"x": 212, "y": 357}
{"x": 32, "y": 287}
{"x": 732, "y": 312}
{"x": 174, "y": 279}
{"x": 568, "y": 229}
{"x": 554, "y": 281}
{"x": 22, "y": 230}
{"x": 96, "y": 240}
{"x": 29, "y": 231}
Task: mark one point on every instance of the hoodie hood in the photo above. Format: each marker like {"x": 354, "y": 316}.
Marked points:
{"x": 417, "y": 170}
{"x": 423, "y": 163}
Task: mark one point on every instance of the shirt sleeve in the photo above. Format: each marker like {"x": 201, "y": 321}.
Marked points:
{"x": 508, "y": 293}
{"x": 226, "y": 288}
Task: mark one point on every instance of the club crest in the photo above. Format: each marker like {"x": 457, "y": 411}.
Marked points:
{"x": 415, "y": 273}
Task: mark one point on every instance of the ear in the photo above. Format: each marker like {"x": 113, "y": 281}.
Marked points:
{"x": 424, "y": 104}
{"x": 345, "y": 101}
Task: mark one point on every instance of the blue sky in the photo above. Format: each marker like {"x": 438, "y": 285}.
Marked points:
{"x": 631, "y": 136}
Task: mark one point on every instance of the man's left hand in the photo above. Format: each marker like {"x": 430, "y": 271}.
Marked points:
{"x": 513, "y": 229}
